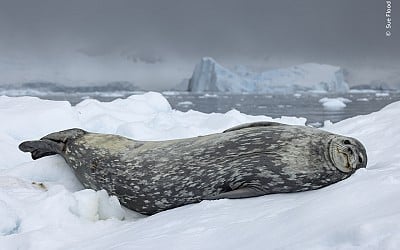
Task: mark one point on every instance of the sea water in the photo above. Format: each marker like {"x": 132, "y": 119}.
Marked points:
{"x": 306, "y": 105}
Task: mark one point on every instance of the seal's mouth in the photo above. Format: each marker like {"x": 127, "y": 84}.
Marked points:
{"x": 347, "y": 154}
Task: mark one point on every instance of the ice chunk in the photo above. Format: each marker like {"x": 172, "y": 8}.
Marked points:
{"x": 334, "y": 103}
{"x": 98, "y": 205}
{"x": 185, "y": 103}
{"x": 109, "y": 206}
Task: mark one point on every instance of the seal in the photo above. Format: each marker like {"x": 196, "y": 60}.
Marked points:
{"x": 245, "y": 161}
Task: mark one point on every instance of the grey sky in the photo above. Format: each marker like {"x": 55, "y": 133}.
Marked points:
{"x": 172, "y": 36}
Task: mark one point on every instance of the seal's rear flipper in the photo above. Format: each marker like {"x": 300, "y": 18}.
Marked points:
{"x": 51, "y": 144}
{"x": 41, "y": 148}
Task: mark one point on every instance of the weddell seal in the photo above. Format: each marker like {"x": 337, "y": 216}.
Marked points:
{"x": 245, "y": 161}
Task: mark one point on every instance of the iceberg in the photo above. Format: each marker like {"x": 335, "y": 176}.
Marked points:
{"x": 209, "y": 76}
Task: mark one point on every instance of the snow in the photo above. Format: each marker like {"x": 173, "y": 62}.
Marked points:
{"x": 334, "y": 103}
{"x": 43, "y": 206}
{"x": 211, "y": 76}
{"x": 9, "y": 220}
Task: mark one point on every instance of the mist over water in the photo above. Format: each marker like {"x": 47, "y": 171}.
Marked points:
{"x": 156, "y": 44}
{"x": 110, "y": 49}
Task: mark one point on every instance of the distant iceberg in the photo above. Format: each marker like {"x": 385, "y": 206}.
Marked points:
{"x": 209, "y": 76}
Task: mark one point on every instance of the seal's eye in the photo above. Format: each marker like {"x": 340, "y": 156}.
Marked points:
{"x": 346, "y": 142}
{"x": 360, "y": 159}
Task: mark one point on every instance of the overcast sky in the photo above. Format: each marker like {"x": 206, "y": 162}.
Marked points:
{"x": 171, "y": 36}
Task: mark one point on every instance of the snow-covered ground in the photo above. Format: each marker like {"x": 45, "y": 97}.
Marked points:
{"x": 208, "y": 75}
{"x": 43, "y": 206}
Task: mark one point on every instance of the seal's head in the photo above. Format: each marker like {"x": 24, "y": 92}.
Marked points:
{"x": 347, "y": 154}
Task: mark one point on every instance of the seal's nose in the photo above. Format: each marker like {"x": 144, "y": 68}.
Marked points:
{"x": 362, "y": 159}
{"x": 359, "y": 154}
{"x": 350, "y": 151}
{"x": 356, "y": 155}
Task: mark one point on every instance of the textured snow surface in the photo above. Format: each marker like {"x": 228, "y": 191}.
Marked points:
{"x": 43, "y": 206}
{"x": 211, "y": 76}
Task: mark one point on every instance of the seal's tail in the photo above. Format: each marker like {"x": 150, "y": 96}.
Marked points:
{"x": 51, "y": 144}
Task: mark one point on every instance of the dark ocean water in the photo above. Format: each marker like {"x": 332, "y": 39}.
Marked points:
{"x": 300, "y": 105}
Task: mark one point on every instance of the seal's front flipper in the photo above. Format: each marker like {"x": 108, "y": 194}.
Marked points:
{"x": 244, "y": 192}
{"x": 41, "y": 148}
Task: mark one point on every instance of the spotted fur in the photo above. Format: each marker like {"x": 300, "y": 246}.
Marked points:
{"x": 151, "y": 177}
